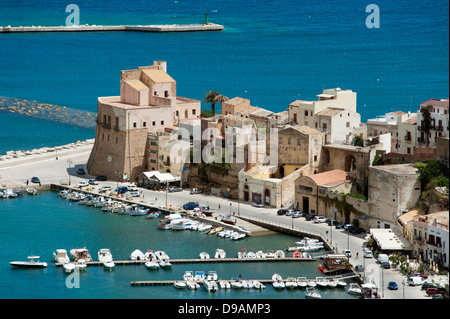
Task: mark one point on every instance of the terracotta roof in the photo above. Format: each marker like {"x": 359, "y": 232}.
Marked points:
{"x": 136, "y": 84}
{"x": 412, "y": 119}
{"x": 236, "y": 100}
{"x": 436, "y": 102}
{"x": 330, "y": 111}
{"x": 330, "y": 178}
{"x": 304, "y": 129}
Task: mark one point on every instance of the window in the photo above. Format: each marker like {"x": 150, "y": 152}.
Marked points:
{"x": 298, "y": 142}
{"x": 306, "y": 113}
{"x": 117, "y": 139}
{"x": 134, "y": 124}
{"x": 193, "y": 111}
{"x": 162, "y": 122}
{"x": 280, "y": 140}
{"x": 378, "y": 194}
{"x": 289, "y": 140}
{"x": 166, "y": 93}
{"x": 347, "y": 124}
{"x": 393, "y": 197}
{"x": 153, "y": 123}
{"x": 144, "y": 124}
{"x": 378, "y": 210}
{"x": 155, "y": 93}
{"x": 315, "y": 158}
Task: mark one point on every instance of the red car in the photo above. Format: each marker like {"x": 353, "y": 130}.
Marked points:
{"x": 435, "y": 291}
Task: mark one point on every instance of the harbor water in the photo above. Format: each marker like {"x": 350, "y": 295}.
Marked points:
{"x": 38, "y": 225}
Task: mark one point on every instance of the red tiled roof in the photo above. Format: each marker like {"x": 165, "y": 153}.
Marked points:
{"x": 330, "y": 178}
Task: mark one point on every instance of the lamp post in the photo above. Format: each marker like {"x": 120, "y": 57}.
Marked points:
{"x": 230, "y": 208}
{"x": 68, "y": 171}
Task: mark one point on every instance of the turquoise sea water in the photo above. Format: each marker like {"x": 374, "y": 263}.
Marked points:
{"x": 41, "y": 224}
{"x": 272, "y": 52}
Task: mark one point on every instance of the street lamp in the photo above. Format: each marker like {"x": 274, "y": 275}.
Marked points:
{"x": 68, "y": 171}
{"x": 230, "y": 208}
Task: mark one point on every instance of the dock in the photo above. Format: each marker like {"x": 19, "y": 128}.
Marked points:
{"x": 199, "y": 260}
{"x": 105, "y": 28}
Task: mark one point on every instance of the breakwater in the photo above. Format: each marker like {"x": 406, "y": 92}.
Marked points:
{"x": 104, "y": 28}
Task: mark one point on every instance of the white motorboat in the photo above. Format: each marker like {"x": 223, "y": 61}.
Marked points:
{"x": 109, "y": 265}
{"x": 291, "y": 283}
{"x": 339, "y": 282}
{"x": 332, "y": 283}
{"x": 321, "y": 282}
{"x": 104, "y": 255}
{"x": 199, "y": 275}
{"x": 204, "y": 255}
{"x": 192, "y": 285}
{"x": 354, "y": 289}
{"x": 137, "y": 255}
{"x": 80, "y": 253}
{"x": 247, "y": 284}
{"x": 152, "y": 264}
{"x": 32, "y": 191}
{"x": 242, "y": 253}
{"x": 188, "y": 275}
{"x": 29, "y": 264}
{"x": 165, "y": 264}
{"x": 204, "y": 227}
{"x": 179, "y": 284}
{"x": 312, "y": 294}
{"x": 224, "y": 284}
{"x": 260, "y": 254}
{"x": 258, "y": 285}
{"x": 161, "y": 255}
{"x": 212, "y": 275}
{"x": 81, "y": 264}
{"x": 301, "y": 282}
{"x": 210, "y": 285}
{"x": 278, "y": 282}
{"x": 238, "y": 236}
{"x": 236, "y": 284}
{"x": 279, "y": 254}
{"x": 150, "y": 255}
{"x": 312, "y": 284}
{"x": 60, "y": 256}
{"x": 220, "y": 253}
{"x": 69, "y": 267}
{"x": 269, "y": 254}
{"x": 181, "y": 224}
{"x": 251, "y": 254}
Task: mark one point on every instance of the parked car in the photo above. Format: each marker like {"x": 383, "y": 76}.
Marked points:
{"x": 121, "y": 190}
{"x": 386, "y": 265}
{"x": 289, "y": 212}
{"x": 332, "y": 222}
{"x": 368, "y": 254}
{"x": 92, "y": 182}
{"x": 295, "y": 214}
{"x": 134, "y": 194}
{"x": 101, "y": 178}
{"x": 281, "y": 212}
{"x": 359, "y": 268}
{"x": 82, "y": 184}
{"x": 435, "y": 291}
{"x": 319, "y": 219}
{"x": 310, "y": 216}
{"x": 392, "y": 285}
{"x": 104, "y": 188}
{"x": 340, "y": 225}
{"x": 132, "y": 188}
{"x": 347, "y": 226}
{"x": 81, "y": 171}
{"x": 174, "y": 189}
{"x": 347, "y": 253}
{"x": 357, "y": 230}
{"x": 35, "y": 180}
{"x": 415, "y": 280}
{"x": 427, "y": 285}
{"x": 190, "y": 205}
{"x": 196, "y": 191}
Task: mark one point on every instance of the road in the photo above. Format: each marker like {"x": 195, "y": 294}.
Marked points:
{"x": 52, "y": 170}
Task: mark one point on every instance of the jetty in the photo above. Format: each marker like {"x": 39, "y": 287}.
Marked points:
{"x": 196, "y": 27}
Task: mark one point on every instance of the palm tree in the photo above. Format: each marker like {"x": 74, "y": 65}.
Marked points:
{"x": 211, "y": 97}
{"x": 221, "y": 99}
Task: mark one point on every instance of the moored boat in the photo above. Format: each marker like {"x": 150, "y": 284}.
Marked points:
{"x": 312, "y": 294}
{"x": 80, "y": 253}
{"x": 60, "y": 256}
{"x": 108, "y": 265}
{"x": 137, "y": 255}
{"x": 220, "y": 253}
{"x": 32, "y": 263}
{"x": 104, "y": 255}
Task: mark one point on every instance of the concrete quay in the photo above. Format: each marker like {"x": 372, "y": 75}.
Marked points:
{"x": 104, "y": 28}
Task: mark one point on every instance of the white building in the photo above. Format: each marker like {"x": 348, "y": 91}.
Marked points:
{"x": 337, "y": 124}
{"x": 439, "y": 121}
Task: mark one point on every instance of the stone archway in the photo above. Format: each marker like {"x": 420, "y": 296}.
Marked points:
{"x": 350, "y": 163}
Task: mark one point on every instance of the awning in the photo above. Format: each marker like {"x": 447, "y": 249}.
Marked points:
{"x": 160, "y": 177}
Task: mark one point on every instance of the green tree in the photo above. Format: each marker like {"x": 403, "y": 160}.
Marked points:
{"x": 426, "y": 127}
{"x": 377, "y": 160}
{"x": 358, "y": 141}
{"x": 211, "y": 97}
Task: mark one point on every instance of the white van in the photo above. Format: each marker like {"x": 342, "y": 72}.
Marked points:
{"x": 319, "y": 219}
{"x": 415, "y": 281}
{"x": 132, "y": 188}
{"x": 368, "y": 253}
{"x": 383, "y": 258}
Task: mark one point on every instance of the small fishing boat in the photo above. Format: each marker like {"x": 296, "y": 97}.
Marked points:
{"x": 311, "y": 293}
{"x": 180, "y": 284}
{"x": 69, "y": 267}
{"x": 278, "y": 282}
{"x": 214, "y": 230}
{"x": 238, "y": 236}
{"x": 291, "y": 283}
{"x": 139, "y": 212}
{"x": 32, "y": 191}
{"x": 228, "y": 220}
{"x": 354, "y": 288}
{"x": 220, "y": 253}
{"x": 153, "y": 215}
{"x": 204, "y": 228}
{"x": 192, "y": 285}
{"x": 204, "y": 255}
{"x": 29, "y": 264}
{"x": 224, "y": 284}
{"x": 137, "y": 255}
{"x": 269, "y": 254}
{"x": 108, "y": 265}
{"x": 210, "y": 285}
{"x": 152, "y": 264}
{"x": 301, "y": 282}
{"x": 258, "y": 285}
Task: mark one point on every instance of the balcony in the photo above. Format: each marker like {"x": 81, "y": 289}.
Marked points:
{"x": 437, "y": 128}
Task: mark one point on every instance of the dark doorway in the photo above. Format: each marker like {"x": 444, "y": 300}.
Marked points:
{"x": 306, "y": 205}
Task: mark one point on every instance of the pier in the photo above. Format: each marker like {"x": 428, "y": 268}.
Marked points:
{"x": 104, "y": 28}
{"x": 198, "y": 260}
